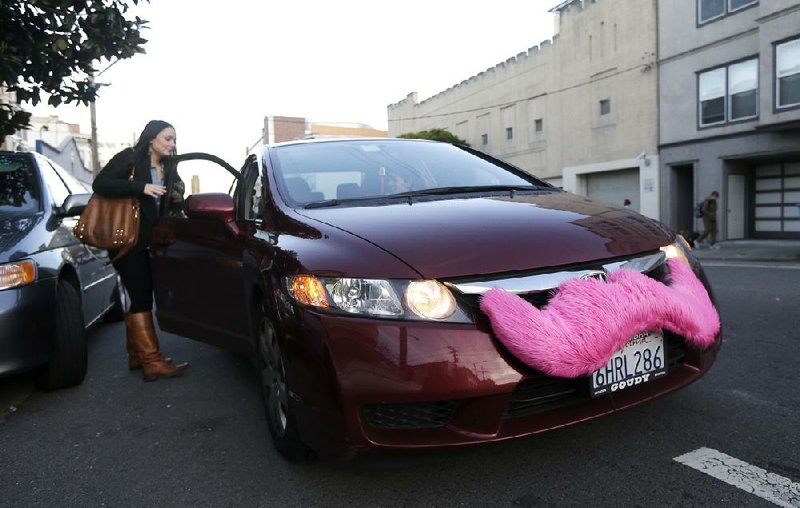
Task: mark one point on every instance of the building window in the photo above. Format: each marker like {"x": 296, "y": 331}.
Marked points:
{"x": 729, "y": 93}
{"x": 708, "y": 10}
{"x": 538, "y": 125}
{"x": 484, "y": 139}
{"x": 787, "y": 74}
{"x": 735, "y": 5}
{"x": 605, "y": 106}
{"x": 509, "y": 133}
{"x": 743, "y": 89}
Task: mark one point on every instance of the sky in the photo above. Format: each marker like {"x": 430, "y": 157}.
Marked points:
{"x": 216, "y": 69}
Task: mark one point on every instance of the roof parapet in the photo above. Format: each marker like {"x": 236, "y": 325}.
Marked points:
{"x": 565, "y": 5}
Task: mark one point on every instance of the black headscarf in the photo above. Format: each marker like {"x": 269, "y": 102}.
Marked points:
{"x": 149, "y": 133}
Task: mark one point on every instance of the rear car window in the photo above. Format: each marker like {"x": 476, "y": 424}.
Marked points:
{"x": 19, "y": 185}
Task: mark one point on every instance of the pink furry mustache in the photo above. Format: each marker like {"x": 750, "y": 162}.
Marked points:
{"x": 587, "y": 321}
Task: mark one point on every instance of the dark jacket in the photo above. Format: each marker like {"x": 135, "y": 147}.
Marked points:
{"x": 113, "y": 181}
{"x": 710, "y": 209}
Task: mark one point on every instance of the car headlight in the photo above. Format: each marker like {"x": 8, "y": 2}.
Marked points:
{"x": 427, "y": 300}
{"x": 17, "y": 274}
{"x": 680, "y": 249}
{"x": 430, "y": 299}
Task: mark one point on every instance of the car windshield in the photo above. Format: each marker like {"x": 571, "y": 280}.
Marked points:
{"x": 19, "y": 185}
{"x": 351, "y": 171}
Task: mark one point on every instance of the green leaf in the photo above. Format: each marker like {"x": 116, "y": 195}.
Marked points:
{"x": 46, "y": 42}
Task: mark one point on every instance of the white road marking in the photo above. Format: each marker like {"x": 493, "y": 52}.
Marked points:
{"x": 772, "y": 487}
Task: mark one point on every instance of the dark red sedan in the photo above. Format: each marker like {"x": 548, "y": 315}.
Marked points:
{"x": 352, "y": 272}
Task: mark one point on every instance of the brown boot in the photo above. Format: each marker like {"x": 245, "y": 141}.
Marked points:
{"x": 134, "y": 362}
{"x": 133, "y": 356}
{"x": 145, "y": 342}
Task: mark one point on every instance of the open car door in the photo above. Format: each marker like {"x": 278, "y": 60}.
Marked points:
{"x": 197, "y": 259}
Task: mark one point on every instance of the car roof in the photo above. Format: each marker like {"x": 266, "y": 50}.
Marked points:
{"x": 16, "y": 152}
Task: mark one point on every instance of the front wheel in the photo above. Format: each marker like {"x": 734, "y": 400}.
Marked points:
{"x": 69, "y": 355}
{"x": 275, "y": 392}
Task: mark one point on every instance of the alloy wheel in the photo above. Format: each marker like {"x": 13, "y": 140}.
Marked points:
{"x": 273, "y": 378}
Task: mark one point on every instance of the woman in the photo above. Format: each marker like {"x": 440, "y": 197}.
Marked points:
{"x": 155, "y": 144}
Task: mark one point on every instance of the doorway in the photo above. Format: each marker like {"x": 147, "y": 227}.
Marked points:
{"x": 682, "y": 197}
{"x": 736, "y": 207}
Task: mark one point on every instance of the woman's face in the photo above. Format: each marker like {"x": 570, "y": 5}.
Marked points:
{"x": 163, "y": 144}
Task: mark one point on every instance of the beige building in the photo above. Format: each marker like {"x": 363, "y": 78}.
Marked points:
{"x": 290, "y": 128}
{"x": 579, "y": 111}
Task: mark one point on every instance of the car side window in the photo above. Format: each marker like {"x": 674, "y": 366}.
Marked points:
{"x": 74, "y": 185}
{"x": 58, "y": 189}
{"x": 19, "y": 185}
{"x": 253, "y": 200}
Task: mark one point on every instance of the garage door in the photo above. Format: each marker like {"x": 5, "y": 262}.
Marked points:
{"x": 614, "y": 186}
{"x": 777, "y": 201}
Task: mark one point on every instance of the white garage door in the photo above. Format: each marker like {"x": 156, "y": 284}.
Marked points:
{"x": 615, "y": 186}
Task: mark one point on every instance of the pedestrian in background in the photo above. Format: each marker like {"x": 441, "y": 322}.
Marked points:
{"x": 709, "y": 209}
{"x": 626, "y": 203}
{"x": 155, "y": 144}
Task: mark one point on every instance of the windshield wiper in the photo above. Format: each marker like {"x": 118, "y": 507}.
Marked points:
{"x": 332, "y": 202}
{"x": 436, "y": 191}
{"x": 439, "y": 191}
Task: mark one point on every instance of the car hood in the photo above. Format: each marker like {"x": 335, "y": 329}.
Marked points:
{"x": 472, "y": 236}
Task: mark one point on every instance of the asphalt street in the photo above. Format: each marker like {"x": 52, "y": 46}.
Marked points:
{"x": 201, "y": 440}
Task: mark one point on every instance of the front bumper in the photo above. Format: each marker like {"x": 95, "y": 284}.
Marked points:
{"x": 26, "y": 325}
{"x": 404, "y": 385}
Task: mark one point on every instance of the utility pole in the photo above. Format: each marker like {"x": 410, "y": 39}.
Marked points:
{"x": 93, "y": 115}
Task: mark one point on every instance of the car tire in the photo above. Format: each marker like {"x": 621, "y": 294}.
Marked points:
{"x": 117, "y": 311}
{"x": 69, "y": 355}
{"x": 275, "y": 393}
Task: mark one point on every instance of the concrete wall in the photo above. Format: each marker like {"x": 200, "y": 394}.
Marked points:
{"x": 605, "y": 49}
{"x": 685, "y": 49}
{"x": 715, "y": 152}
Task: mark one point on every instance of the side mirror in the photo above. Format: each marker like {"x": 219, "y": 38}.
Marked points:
{"x": 73, "y": 205}
{"x": 213, "y": 206}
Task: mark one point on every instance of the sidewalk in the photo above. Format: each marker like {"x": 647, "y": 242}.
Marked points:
{"x": 752, "y": 250}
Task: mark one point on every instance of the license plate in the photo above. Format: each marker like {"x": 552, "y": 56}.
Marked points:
{"x": 640, "y": 360}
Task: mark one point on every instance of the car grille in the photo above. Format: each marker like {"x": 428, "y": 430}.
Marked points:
{"x": 424, "y": 415}
{"x": 539, "y": 287}
{"x": 539, "y": 393}
{"x": 543, "y": 393}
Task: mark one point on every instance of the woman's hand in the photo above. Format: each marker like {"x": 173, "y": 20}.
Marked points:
{"x": 154, "y": 190}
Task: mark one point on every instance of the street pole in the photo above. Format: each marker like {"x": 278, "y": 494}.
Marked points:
{"x": 93, "y": 115}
